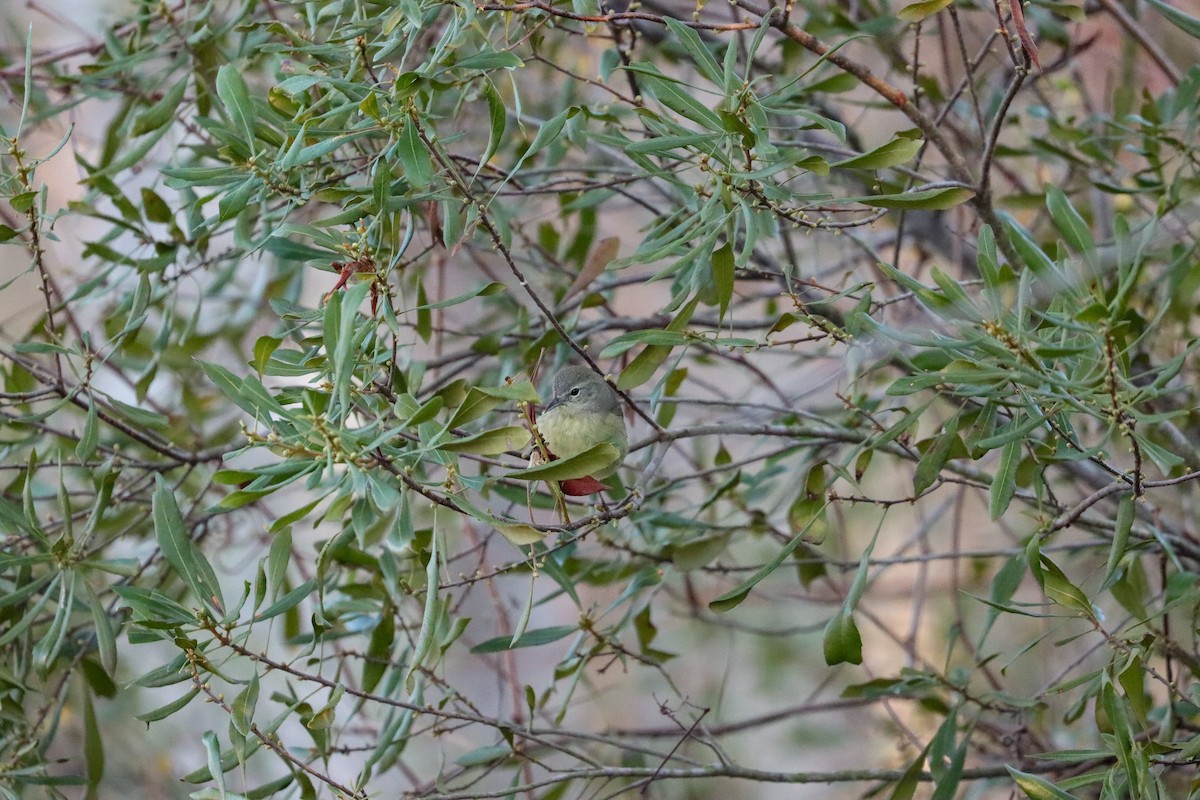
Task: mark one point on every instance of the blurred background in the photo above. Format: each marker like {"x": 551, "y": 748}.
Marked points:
{"x": 821, "y": 574}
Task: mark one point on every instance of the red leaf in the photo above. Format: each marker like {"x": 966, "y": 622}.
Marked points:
{"x": 578, "y": 487}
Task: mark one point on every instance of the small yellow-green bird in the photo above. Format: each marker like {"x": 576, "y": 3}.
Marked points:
{"x": 584, "y": 412}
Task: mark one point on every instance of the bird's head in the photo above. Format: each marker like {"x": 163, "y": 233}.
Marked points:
{"x": 578, "y": 388}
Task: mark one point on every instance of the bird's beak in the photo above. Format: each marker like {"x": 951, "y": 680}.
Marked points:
{"x": 554, "y": 402}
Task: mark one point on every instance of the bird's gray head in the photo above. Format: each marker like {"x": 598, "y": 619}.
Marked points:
{"x": 582, "y": 389}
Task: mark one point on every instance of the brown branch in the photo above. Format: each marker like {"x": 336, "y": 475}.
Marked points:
{"x": 1144, "y": 39}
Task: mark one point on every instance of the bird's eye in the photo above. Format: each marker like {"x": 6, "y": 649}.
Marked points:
{"x": 575, "y": 392}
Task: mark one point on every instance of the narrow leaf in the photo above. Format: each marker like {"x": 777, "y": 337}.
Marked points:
{"x": 921, "y": 200}
{"x": 897, "y": 151}
{"x": 1004, "y": 483}
{"x": 595, "y": 459}
{"x": 534, "y": 638}
{"x": 1121, "y": 530}
{"x": 489, "y": 443}
{"x": 1036, "y": 787}
{"x": 734, "y": 597}
{"x": 723, "y": 276}
{"x": 414, "y": 158}
{"x": 235, "y": 96}
{"x": 1185, "y": 22}
{"x": 183, "y": 556}
{"x": 915, "y": 12}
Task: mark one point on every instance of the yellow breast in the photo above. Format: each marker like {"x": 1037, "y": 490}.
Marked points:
{"x": 568, "y": 433}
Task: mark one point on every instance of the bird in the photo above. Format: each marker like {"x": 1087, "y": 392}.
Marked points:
{"x": 584, "y": 411}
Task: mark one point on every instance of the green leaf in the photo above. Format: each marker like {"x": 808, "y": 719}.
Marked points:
{"x": 1185, "y": 22}
{"x": 288, "y": 601}
{"x": 48, "y": 645}
{"x": 677, "y": 96}
{"x": 520, "y": 535}
{"x": 1068, "y": 221}
{"x": 734, "y": 597}
{"x": 807, "y": 513}
{"x": 414, "y": 158}
{"x": 723, "y": 275}
{"x": 989, "y": 263}
{"x": 697, "y": 49}
{"x": 489, "y": 443}
{"x": 906, "y": 787}
{"x": 153, "y": 606}
{"x": 498, "y": 119}
{"x": 1123, "y": 738}
{"x": 502, "y": 59}
{"x": 526, "y": 613}
{"x": 235, "y": 96}
{"x": 646, "y": 364}
{"x": 475, "y": 405}
{"x": 945, "y": 765}
{"x": 915, "y": 12}
{"x": 482, "y": 756}
{"x": 407, "y": 409}
{"x": 1031, "y": 253}
{"x": 264, "y": 347}
{"x": 931, "y": 463}
{"x": 1004, "y": 482}
{"x": 1004, "y": 585}
{"x": 487, "y": 290}
{"x": 93, "y": 746}
{"x": 546, "y": 134}
{"x": 90, "y": 436}
{"x": 141, "y": 417}
{"x": 242, "y": 716}
{"x": 163, "y": 112}
{"x": 379, "y": 650}
{"x": 513, "y": 392}
{"x": 1037, "y": 788}
{"x": 698, "y": 553}
{"x": 424, "y": 326}
{"x": 183, "y": 556}
{"x": 658, "y": 338}
{"x": 106, "y": 643}
{"x": 155, "y": 207}
{"x": 534, "y": 638}
{"x": 1016, "y": 431}
{"x": 665, "y": 144}
{"x": 921, "y": 200}
{"x": 164, "y": 711}
{"x": 647, "y": 632}
{"x": 299, "y": 156}
{"x": 841, "y": 642}
{"x": 1069, "y": 9}
{"x": 212, "y": 751}
{"x": 22, "y": 201}
{"x": 433, "y": 607}
{"x": 897, "y": 151}
{"x": 1133, "y": 682}
{"x": 1059, "y": 588}
{"x": 596, "y": 458}
{"x": 278, "y": 557}
{"x": 53, "y": 583}
{"x": 1122, "y": 527}
{"x": 234, "y": 201}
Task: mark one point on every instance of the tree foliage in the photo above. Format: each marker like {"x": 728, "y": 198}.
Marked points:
{"x": 900, "y": 299}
